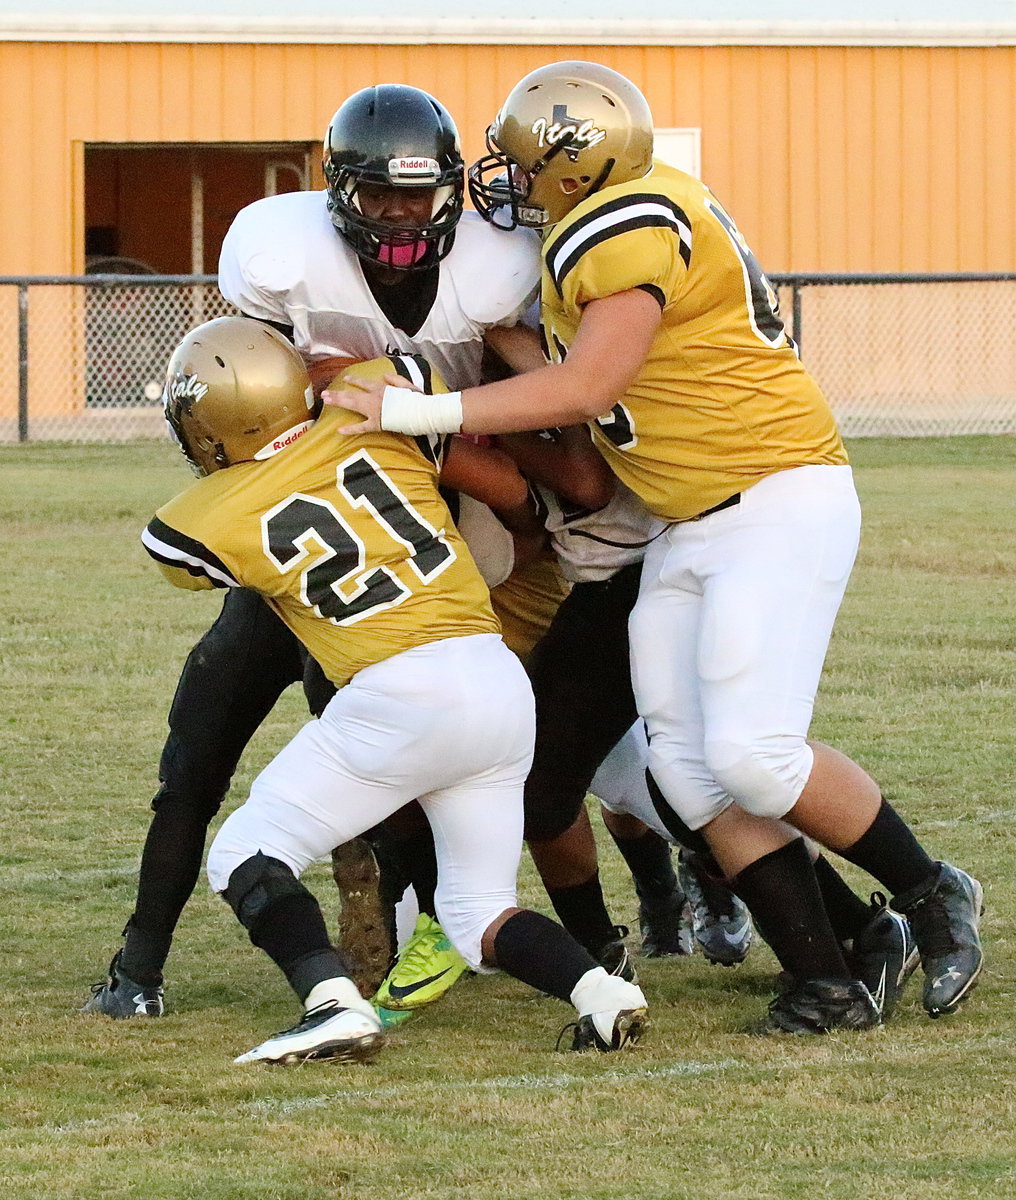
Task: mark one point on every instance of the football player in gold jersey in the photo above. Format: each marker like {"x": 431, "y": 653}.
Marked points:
{"x": 382, "y": 260}
{"x": 663, "y": 333}
{"x": 351, "y": 545}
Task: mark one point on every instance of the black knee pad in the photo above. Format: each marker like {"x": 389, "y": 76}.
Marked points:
{"x": 256, "y": 884}
{"x": 551, "y": 805}
{"x": 201, "y": 803}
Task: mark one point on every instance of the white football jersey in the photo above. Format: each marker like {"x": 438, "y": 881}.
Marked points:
{"x": 594, "y": 545}
{"x": 283, "y": 260}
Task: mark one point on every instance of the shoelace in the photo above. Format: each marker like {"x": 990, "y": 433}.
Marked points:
{"x": 318, "y": 1012}
{"x": 417, "y": 951}
{"x": 571, "y": 1027}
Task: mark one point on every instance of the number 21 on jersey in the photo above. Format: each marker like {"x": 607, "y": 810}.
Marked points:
{"x": 337, "y": 579}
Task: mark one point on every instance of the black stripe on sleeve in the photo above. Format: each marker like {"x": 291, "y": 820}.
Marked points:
{"x": 430, "y": 447}
{"x": 176, "y": 549}
{"x": 417, "y": 370}
{"x": 401, "y": 363}
{"x": 655, "y": 292}
{"x": 608, "y": 221}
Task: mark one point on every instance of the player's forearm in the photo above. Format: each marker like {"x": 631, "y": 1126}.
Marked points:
{"x": 485, "y": 473}
{"x": 517, "y": 346}
{"x": 551, "y": 396}
{"x": 567, "y": 463}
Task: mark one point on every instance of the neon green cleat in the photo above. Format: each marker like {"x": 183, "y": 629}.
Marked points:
{"x": 390, "y": 1017}
{"x": 427, "y": 967}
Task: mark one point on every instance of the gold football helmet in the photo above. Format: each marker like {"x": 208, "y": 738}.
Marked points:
{"x": 236, "y": 390}
{"x": 565, "y": 131}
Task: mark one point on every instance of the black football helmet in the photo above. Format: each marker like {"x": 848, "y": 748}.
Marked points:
{"x": 395, "y": 136}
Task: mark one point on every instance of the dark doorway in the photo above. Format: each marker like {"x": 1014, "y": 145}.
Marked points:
{"x": 166, "y": 208}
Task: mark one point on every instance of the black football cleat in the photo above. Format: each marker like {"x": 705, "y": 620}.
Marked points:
{"x": 821, "y": 1006}
{"x": 884, "y": 955}
{"x": 615, "y": 958}
{"x": 609, "y": 1031}
{"x": 945, "y": 918}
{"x": 120, "y": 997}
{"x": 722, "y": 924}
{"x": 666, "y": 925}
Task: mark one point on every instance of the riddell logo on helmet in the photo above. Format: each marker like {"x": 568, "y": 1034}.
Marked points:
{"x": 287, "y": 439}
{"x": 413, "y": 168}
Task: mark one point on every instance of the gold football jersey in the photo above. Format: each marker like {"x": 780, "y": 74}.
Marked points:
{"x": 346, "y": 537}
{"x": 526, "y": 602}
{"x": 723, "y": 399}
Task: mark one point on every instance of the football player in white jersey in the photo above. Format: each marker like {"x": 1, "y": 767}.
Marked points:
{"x": 581, "y": 676}
{"x": 383, "y": 260}
{"x": 352, "y": 546}
{"x": 664, "y": 334}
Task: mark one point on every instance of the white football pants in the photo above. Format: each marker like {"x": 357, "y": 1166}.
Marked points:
{"x": 451, "y": 724}
{"x": 620, "y": 781}
{"x": 729, "y": 635}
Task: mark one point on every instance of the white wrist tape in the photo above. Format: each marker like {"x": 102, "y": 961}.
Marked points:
{"x": 405, "y": 411}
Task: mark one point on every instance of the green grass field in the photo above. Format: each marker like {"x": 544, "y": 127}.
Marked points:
{"x": 470, "y": 1098}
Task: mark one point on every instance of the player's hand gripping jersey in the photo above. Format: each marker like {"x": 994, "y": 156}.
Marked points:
{"x": 723, "y": 399}
{"x": 359, "y": 566}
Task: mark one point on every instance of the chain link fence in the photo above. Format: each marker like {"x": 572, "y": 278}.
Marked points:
{"x": 82, "y": 358}
{"x": 909, "y": 355}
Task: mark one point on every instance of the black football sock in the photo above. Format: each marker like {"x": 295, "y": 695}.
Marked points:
{"x": 143, "y": 954}
{"x": 648, "y": 859}
{"x": 782, "y": 893}
{"x": 889, "y": 851}
{"x": 421, "y": 866}
{"x": 535, "y": 949}
{"x": 582, "y": 911}
{"x": 293, "y": 934}
{"x": 170, "y": 868}
{"x": 848, "y": 913}
{"x": 407, "y": 855}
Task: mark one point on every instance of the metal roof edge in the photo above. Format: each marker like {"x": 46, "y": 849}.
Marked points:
{"x": 29, "y": 27}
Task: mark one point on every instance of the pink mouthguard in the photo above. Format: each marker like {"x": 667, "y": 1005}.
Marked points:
{"x": 401, "y": 254}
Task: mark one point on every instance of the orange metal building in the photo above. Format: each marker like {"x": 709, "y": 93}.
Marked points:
{"x": 833, "y": 157}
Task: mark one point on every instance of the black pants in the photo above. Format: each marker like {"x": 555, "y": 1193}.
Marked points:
{"x": 581, "y": 675}
{"x": 230, "y": 682}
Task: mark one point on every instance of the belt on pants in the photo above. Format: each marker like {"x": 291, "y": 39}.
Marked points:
{"x": 728, "y": 503}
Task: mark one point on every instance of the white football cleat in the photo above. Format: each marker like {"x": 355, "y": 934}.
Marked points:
{"x": 327, "y": 1032}
{"x": 612, "y": 1012}
{"x": 608, "y": 1031}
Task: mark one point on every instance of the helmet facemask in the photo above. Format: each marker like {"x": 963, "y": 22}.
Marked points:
{"x": 566, "y": 131}
{"x": 516, "y": 195}
{"x": 404, "y": 247}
